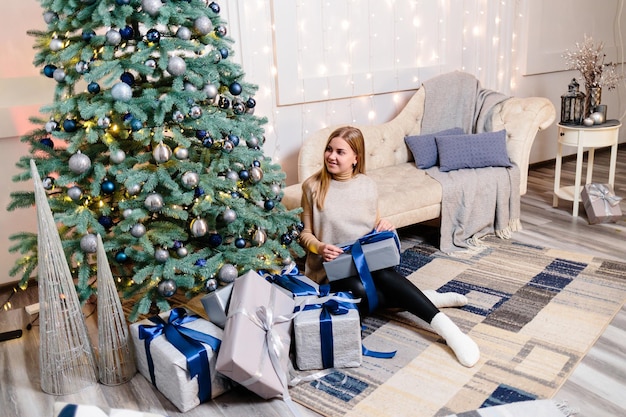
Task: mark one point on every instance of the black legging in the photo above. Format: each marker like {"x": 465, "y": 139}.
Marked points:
{"x": 394, "y": 291}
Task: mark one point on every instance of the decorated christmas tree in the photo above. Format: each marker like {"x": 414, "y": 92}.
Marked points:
{"x": 151, "y": 141}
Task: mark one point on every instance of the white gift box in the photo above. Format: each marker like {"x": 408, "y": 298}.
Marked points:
{"x": 378, "y": 255}
{"x": 345, "y": 344}
{"x": 171, "y": 376}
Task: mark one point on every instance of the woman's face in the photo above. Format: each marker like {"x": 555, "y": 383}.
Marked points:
{"x": 339, "y": 157}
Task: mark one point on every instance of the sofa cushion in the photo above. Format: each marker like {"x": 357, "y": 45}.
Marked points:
{"x": 472, "y": 151}
{"x": 424, "y": 148}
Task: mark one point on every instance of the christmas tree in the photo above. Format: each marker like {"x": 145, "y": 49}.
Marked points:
{"x": 151, "y": 141}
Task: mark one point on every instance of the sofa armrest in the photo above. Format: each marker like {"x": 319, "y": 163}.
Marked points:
{"x": 522, "y": 118}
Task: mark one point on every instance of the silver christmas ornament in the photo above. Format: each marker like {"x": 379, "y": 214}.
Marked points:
{"x": 79, "y": 163}
{"x": 127, "y": 213}
{"x": 275, "y": 188}
{"x": 182, "y": 251}
{"x": 151, "y": 7}
{"x": 82, "y": 67}
{"x": 181, "y": 153}
{"x": 229, "y": 215}
{"x": 227, "y": 273}
{"x": 256, "y": 174}
{"x": 190, "y": 179}
{"x": 287, "y": 261}
{"x": 162, "y": 153}
{"x": 259, "y": 237}
{"x": 203, "y": 25}
{"x": 199, "y": 227}
{"x": 56, "y": 44}
{"x": 252, "y": 142}
{"x": 51, "y": 126}
{"x": 104, "y": 122}
{"x": 117, "y": 156}
{"x": 89, "y": 243}
{"x": 210, "y": 90}
{"x": 121, "y": 92}
{"x": 232, "y": 175}
{"x": 228, "y": 146}
{"x": 59, "y": 75}
{"x": 113, "y": 37}
{"x": 183, "y": 33}
{"x": 167, "y": 287}
{"x": 176, "y": 66}
{"x": 75, "y": 193}
{"x": 150, "y": 63}
{"x": 178, "y": 116}
{"x": 48, "y": 183}
{"x": 190, "y": 87}
{"x": 138, "y": 230}
{"x": 134, "y": 189}
{"x": 588, "y": 121}
{"x": 161, "y": 255}
{"x": 210, "y": 285}
{"x": 154, "y": 202}
{"x": 50, "y": 17}
{"x": 195, "y": 112}
{"x": 597, "y": 117}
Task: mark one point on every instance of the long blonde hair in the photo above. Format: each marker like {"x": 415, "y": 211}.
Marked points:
{"x": 320, "y": 181}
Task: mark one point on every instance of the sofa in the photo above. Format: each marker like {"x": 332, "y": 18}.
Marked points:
{"x": 407, "y": 194}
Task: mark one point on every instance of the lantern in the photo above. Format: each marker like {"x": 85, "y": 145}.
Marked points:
{"x": 573, "y": 105}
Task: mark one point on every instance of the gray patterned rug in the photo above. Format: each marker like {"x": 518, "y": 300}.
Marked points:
{"x": 534, "y": 313}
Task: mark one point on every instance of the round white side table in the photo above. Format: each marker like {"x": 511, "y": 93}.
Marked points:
{"x": 584, "y": 137}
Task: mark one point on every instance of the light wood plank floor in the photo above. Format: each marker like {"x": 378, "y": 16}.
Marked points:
{"x": 595, "y": 388}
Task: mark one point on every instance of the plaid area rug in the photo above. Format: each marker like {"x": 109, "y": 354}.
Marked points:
{"x": 534, "y": 313}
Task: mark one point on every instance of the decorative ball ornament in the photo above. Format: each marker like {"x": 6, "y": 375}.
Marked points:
{"x": 167, "y": 287}
{"x": 121, "y": 92}
{"x": 190, "y": 179}
{"x": 227, "y": 273}
{"x": 178, "y": 116}
{"x": 75, "y": 193}
{"x": 199, "y": 227}
{"x": 93, "y": 87}
{"x": 133, "y": 189}
{"x": 256, "y": 174}
{"x": 50, "y": 17}
{"x": 176, "y": 66}
{"x": 82, "y": 67}
{"x": 70, "y": 125}
{"x": 220, "y": 31}
{"x": 59, "y": 75}
{"x": 275, "y": 188}
{"x": 182, "y": 251}
{"x": 211, "y": 91}
{"x": 107, "y": 187}
{"x": 153, "y": 36}
{"x": 117, "y": 156}
{"x": 104, "y": 122}
{"x": 106, "y": 221}
{"x": 214, "y": 7}
{"x": 234, "y": 139}
{"x": 183, "y": 33}
{"x": 195, "y": 112}
{"x": 269, "y": 205}
{"x": 151, "y": 7}
{"x": 127, "y": 213}
{"x": 210, "y": 285}
{"x": 250, "y": 103}
{"x": 597, "y": 117}
{"x": 203, "y": 25}
{"x": 48, "y": 183}
{"x": 136, "y": 125}
{"x": 240, "y": 243}
{"x": 121, "y": 257}
{"x": 154, "y": 202}
{"x": 229, "y": 215}
{"x": 79, "y": 163}
{"x": 235, "y": 88}
{"x": 259, "y": 237}
{"x": 223, "y": 103}
{"x": 181, "y": 153}
{"x": 127, "y": 78}
{"x": 48, "y": 70}
{"x": 161, "y": 153}
{"x": 252, "y": 142}
{"x": 113, "y": 37}
{"x": 51, "y": 126}
{"x": 56, "y": 44}
{"x": 89, "y": 243}
{"x": 161, "y": 255}
{"x": 228, "y": 146}
{"x": 138, "y": 230}
{"x": 588, "y": 121}
{"x": 47, "y": 142}
{"x": 238, "y": 107}
{"x": 150, "y": 63}
{"x": 127, "y": 32}
{"x": 215, "y": 239}
{"x": 88, "y": 35}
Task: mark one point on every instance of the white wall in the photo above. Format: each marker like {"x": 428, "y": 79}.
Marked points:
{"x": 298, "y": 101}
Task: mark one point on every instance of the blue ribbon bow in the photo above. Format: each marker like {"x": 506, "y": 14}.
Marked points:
{"x": 187, "y": 341}
{"x": 361, "y": 263}
{"x": 289, "y": 280}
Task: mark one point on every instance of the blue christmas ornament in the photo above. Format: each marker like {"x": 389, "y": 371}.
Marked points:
{"x": 153, "y": 35}
{"x": 215, "y": 239}
{"x": 200, "y": 134}
{"x": 256, "y": 163}
{"x": 177, "y": 245}
{"x": 105, "y": 221}
{"x": 127, "y": 117}
{"x": 250, "y": 103}
{"x": 200, "y": 262}
{"x": 224, "y": 53}
{"x": 207, "y": 142}
{"x": 235, "y": 88}
{"x": 220, "y": 31}
{"x": 235, "y": 194}
{"x": 48, "y": 70}
{"x": 128, "y": 78}
{"x": 269, "y": 205}
{"x": 47, "y": 142}
{"x": 88, "y": 34}
{"x": 244, "y": 174}
{"x": 136, "y": 124}
{"x": 127, "y": 32}
{"x": 234, "y": 139}
{"x": 69, "y": 125}
{"x": 107, "y": 186}
{"x": 198, "y": 192}
{"x": 93, "y": 87}
{"x": 223, "y": 103}
{"x": 121, "y": 257}
{"x": 286, "y": 239}
{"x": 215, "y": 8}
{"x": 240, "y": 243}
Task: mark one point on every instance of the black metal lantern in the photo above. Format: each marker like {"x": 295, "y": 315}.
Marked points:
{"x": 573, "y": 105}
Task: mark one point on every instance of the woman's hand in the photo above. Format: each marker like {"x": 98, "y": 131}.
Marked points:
{"x": 330, "y": 252}
{"x": 384, "y": 225}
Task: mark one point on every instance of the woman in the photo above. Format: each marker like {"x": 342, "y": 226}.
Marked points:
{"x": 340, "y": 204}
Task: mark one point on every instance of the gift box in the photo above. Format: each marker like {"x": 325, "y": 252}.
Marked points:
{"x": 601, "y": 203}
{"x": 291, "y": 281}
{"x": 185, "y": 379}
{"x": 380, "y": 250}
{"x": 255, "y": 348}
{"x": 327, "y": 333}
{"x": 216, "y": 303}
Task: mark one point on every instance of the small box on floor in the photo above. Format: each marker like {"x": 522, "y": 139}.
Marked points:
{"x": 259, "y": 320}
{"x": 601, "y": 204}
{"x": 185, "y": 381}
{"x": 381, "y": 250}
{"x": 327, "y": 333}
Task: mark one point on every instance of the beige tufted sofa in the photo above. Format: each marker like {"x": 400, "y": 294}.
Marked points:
{"x": 407, "y": 195}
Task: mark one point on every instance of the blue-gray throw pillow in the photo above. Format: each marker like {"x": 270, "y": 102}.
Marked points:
{"x": 472, "y": 151}
{"x": 424, "y": 148}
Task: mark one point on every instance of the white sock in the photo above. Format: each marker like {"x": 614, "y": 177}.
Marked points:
{"x": 445, "y": 299}
{"x": 465, "y": 349}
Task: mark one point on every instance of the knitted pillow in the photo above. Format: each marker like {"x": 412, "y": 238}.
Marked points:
{"x": 472, "y": 151}
{"x": 424, "y": 148}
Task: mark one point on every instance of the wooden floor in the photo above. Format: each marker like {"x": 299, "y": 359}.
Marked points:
{"x": 595, "y": 389}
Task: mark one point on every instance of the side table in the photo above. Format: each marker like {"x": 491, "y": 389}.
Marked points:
{"x": 584, "y": 137}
